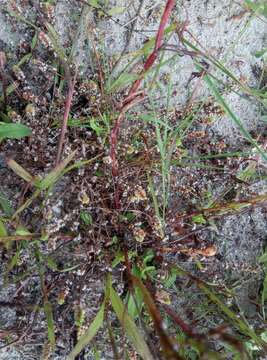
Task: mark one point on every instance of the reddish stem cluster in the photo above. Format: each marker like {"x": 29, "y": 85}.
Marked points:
{"x": 134, "y": 96}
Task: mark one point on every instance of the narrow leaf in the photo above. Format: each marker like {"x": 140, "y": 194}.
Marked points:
{"x": 27, "y": 203}
{"x": 116, "y": 10}
{"x": 129, "y": 326}
{"x": 13, "y": 131}
{"x": 263, "y": 258}
{"x": 243, "y": 327}
{"x": 236, "y": 120}
{"x": 12, "y": 262}
{"x": 48, "y": 181}
{"x": 167, "y": 346}
{"x": 48, "y": 310}
{"x": 55, "y": 174}
{"x": 6, "y": 239}
{"x": 3, "y": 231}
{"x": 53, "y": 36}
{"x": 260, "y": 53}
{"x": 89, "y": 333}
{"x": 34, "y": 40}
{"x": 5, "y": 205}
{"x": 3, "y": 235}
{"x": 123, "y": 80}
{"x": 264, "y": 290}
{"x": 20, "y": 18}
{"x": 10, "y": 89}
{"x": 20, "y": 171}
{"x": 94, "y": 3}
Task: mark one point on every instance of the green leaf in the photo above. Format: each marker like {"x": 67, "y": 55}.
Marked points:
{"x": 5, "y": 205}
{"x": 22, "y": 231}
{"x": 3, "y": 231}
{"x": 34, "y": 40}
{"x": 264, "y": 336}
{"x": 95, "y": 126}
{"x": 94, "y": 3}
{"x": 129, "y": 216}
{"x": 116, "y": 10}
{"x": 119, "y": 258}
{"x": 86, "y": 218}
{"x": 148, "y": 257}
{"x": 260, "y": 53}
{"x": 89, "y": 333}
{"x": 79, "y": 316}
{"x": 22, "y": 61}
{"x": 252, "y": 5}
{"x": 53, "y": 36}
{"x": 263, "y": 258}
{"x": 170, "y": 281}
{"x": 21, "y": 18}
{"x": 238, "y": 322}
{"x": 13, "y": 262}
{"x": 166, "y": 344}
{"x": 4, "y": 118}
{"x": 247, "y": 173}
{"x": 48, "y": 181}
{"x": 13, "y": 131}
{"x": 123, "y": 80}
{"x": 199, "y": 219}
{"x": 258, "y": 6}
{"x": 135, "y": 303}
{"x": 69, "y": 268}
{"x": 55, "y": 174}
{"x": 264, "y": 290}
{"x": 48, "y": 310}
{"x": 50, "y": 262}
{"x": 230, "y": 113}
{"x": 9, "y": 90}
{"x": 129, "y": 326}
{"x": 146, "y": 271}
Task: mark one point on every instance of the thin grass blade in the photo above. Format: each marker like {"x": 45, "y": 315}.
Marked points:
{"x": 48, "y": 310}
{"x": 20, "y": 171}
{"x": 236, "y": 120}
{"x": 129, "y": 326}
{"x": 89, "y": 334}
{"x": 52, "y": 34}
{"x": 5, "y": 205}
{"x": 27, "y": 203}
{"x": 3, "y": 232}
{"x": 241, "y": 324}
{"x": 56, "y": 173}
{"x": 167, "y": 346}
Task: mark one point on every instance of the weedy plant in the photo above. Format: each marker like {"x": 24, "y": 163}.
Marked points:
{"x": 192, "y": 345}
{"x": 140, "y": 321}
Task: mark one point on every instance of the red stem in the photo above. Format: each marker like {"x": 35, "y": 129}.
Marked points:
{"x": 159, "y": 39}
{"x": 132, "y": 98}
{"x": 65, "y": 118}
